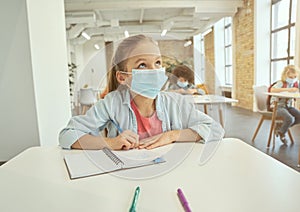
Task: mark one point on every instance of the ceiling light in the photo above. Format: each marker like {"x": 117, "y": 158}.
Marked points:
{"x": 188, "y": 43}
{"x": 126, "y": 33}
{"x": 85, "y": 35}
{"x": 164, "y": 32}
{"x": 97, "y": 46}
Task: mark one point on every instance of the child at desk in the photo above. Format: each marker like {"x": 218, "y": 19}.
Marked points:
{"x": 134, "y": 112}
{"x": 289, "y": 83}
{"x": 183, "y": 81}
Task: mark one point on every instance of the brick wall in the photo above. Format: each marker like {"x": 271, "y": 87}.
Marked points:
{"x": 210, "y": 61}
{"x": 243, "y": 47}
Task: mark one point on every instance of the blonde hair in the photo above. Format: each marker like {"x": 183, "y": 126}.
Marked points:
{"x": 289, "y": 69}
{"x": 121, "y": 56}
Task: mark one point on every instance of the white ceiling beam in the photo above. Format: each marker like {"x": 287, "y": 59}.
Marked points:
{"x": 216, "y": 10}
{"x": 75, "y": 30}
{"x": 141, "y": 16}
{"x": 80, "y": 17}
{"x": 99, "y": 15}
{"x": 117, "y": 36}
{"x": 119, "y": 4}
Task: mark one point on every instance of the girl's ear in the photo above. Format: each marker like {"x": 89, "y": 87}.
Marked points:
{"x": 120, "y": 78}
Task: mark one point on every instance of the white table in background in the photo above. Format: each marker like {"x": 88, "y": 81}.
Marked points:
{"x": 237, "y": 178}
{"x": 213, "y": 100}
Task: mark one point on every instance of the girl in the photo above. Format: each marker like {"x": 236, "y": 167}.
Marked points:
{"x": 289, "y": 83}
{"x": 184, "y": 81}
{"x": 134, "y": 111}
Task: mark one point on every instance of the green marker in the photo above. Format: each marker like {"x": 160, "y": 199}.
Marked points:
{"x": 134, "y": 201}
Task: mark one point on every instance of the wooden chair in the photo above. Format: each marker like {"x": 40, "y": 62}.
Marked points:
{"x": 261, "y": 105}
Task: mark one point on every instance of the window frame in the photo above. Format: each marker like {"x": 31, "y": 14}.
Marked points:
{"x": 289, "y": 27}
{"x": 228, "y": 66}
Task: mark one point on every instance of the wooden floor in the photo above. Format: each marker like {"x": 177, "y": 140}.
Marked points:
{"x": 241, "y": 123}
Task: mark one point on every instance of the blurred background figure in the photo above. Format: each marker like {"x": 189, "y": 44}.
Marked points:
{"x": 182, "y": 81}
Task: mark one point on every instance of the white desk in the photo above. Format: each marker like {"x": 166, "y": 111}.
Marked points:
{"x": 237, "y": 178}
{"x": 211, "y": 100}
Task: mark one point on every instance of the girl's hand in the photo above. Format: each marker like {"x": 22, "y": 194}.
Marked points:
{"x": 126, "y": 140}
{"x": 158, "y": 140}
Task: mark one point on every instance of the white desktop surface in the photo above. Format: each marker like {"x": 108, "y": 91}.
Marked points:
{"x": 237, "y": 178}
{"x": 212, "y": 99}
{"x": 285, "y": 94}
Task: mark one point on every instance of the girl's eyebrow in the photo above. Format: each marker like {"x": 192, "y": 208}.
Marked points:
{"x": 144, "y": 59}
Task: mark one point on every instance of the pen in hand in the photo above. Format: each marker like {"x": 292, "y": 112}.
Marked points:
{"x": 130, "y": 136}
{"x": 183, "y": 200}
{"x": 117, "y": 126}
{"x": 134, "y": 201}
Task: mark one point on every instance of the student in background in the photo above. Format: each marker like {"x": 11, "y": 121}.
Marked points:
{"x": 289, "y": 83}
{"x": 183, "y": 81}
{"x": 135, "y": 112}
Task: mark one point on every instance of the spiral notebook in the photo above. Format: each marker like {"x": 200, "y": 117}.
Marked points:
{"x": 95, "y": 162}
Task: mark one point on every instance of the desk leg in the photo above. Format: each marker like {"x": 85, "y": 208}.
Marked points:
{"x": 221, "y": 116}
{"x": 272, "y": 123}
{"x": 205, "y": 108}
{"x": 298, "y": 157}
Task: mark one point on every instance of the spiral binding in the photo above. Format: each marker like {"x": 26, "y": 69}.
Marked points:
{"x": 112, "y": 156}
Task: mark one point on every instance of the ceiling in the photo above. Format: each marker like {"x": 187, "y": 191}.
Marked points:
{"x": 107, "y": 20}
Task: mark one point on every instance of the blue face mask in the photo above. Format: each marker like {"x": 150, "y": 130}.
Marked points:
{"x": 291, "y": 80}
{"x": 148, "y": 82}
{"x": 182, "y": 84}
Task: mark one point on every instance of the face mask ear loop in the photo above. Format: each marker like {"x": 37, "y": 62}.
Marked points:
{"x": 126, "y": 80}
{"x": 125, "y": 72}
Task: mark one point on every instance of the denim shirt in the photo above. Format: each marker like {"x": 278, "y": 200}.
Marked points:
{"x": 174, "y": 110}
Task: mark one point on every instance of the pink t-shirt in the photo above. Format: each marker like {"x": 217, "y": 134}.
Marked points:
{"x": 147, "y": 126}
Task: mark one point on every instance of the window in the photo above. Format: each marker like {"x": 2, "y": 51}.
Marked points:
{"x": 283, "y": 19}
{"x": 228, "y": 50}
{"x": 202, "y": 59}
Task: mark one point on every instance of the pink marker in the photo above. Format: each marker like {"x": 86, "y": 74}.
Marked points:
{"x": 183, "y": 200}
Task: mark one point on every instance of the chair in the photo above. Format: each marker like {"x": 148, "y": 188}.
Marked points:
{"x": 87, "y": 98}
{"x": 261, "y": 104}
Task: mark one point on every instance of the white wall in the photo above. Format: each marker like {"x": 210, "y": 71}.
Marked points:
{"x": 18, "y": 122}
{"x": 33, "y": 76}
{"x": 91, "y": 63}
{"x": 94, "y": 70}
{"x": 262, "y": 42}
{"x": 199, "y": 74}
{"x": 49, "y": 65}
{"x": 219, "y": 55}
{"x": 219, "y": 51}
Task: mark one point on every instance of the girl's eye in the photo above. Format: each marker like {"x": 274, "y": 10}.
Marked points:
{"x": 158, "y": 63}
{"x": 142, "y": 65}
